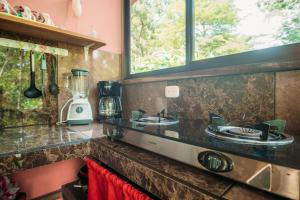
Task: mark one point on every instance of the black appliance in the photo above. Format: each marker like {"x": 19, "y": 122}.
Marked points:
{"x": 109, "y": 96}
{"x": 265, "y": 158}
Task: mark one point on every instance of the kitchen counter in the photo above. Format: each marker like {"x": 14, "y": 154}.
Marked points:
{"x": 163, "y": 177}
{"x": 193, "y": 132}
{"x": 167, "y": 178}
{"x": 204, "y": 182}
{"x": 32, "y": 146}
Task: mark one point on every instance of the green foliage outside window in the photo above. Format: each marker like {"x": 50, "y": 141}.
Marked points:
{"x": 214, "y": 23}
{"x": 222, "y": 27}
{"x": 157, "y": 34}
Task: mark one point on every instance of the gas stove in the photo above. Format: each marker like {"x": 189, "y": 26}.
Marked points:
{"x": 245, "y": 135}
{"x": 269, "y": 133}
{"x": 260, "y": 155}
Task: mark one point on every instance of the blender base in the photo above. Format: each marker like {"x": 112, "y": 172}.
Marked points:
{"x": 79, "y": 122}
{"x": 79, "y": 112}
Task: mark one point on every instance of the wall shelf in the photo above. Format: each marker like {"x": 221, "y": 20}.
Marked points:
{"x": 11, "y": 23}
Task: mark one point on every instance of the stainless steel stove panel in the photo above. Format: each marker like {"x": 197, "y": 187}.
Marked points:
{"x": 270, "y": 177}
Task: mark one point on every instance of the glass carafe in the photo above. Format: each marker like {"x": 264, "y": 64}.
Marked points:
{"x": 110, "y": 106}
{"x": 77, "y": 83}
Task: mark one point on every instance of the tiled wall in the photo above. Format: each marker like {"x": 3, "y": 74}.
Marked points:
{"x": 260, "y": 96}
{"x": 147, "y": 96}
{"x": 102, "y": 66}
{"x": 287, "y": 99}
{"x": 14, "y": 109}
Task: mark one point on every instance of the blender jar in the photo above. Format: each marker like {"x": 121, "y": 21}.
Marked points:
{"x": 78, "y": 83}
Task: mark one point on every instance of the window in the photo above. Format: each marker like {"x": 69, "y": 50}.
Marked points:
{"x": 224, "y": 27}
{"x": 157, "y": 34}
{"x": 184, "y": 33}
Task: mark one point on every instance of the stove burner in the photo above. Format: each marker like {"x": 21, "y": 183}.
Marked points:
{"x": 244, "y": 131}
{"x": 266, "y": 133}
{"x": 248, "y": 136}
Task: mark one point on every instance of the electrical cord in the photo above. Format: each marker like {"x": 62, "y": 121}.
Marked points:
{"x": 60, "y": 122}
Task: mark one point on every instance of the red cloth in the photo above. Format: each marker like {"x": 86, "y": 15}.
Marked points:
{"x": 104, "y": 185}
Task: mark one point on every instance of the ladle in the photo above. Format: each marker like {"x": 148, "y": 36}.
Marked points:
{"x": 53, "y": 87}
{"x": 32, "y": 91}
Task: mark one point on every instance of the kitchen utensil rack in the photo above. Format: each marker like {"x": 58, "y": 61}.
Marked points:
{"x": 33, "y": 47}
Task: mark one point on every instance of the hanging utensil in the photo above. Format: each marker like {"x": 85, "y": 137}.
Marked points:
{"x": 32, "y": 91}
{"x": 21, "y": 67}
{"x": 53, "y": 87}
{"x": 43, "y": 69}
{"x": 4, "y": 65}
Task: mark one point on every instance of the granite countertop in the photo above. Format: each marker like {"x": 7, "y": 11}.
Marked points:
{"x": 193, "y": 132}
{"x": 167, "y": 178}
{"x": 26, "y": 148}
{"x": 32, "y": 138}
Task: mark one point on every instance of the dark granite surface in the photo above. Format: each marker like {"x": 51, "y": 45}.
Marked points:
{"x": 33, "y": 138}
{"x": 160, "y": 184}
{"x": 149, "y": 97}
{"x": 287, "y": 99}
{"x": 33, "y": 146}
{"x": 191, "y": 176}
{"x": 161, "y": 176}
{"x": 19, "y": 162}
{"x": 169, "y": 179}
{"x": 233, "y": 96}
{"x": 192, "y": 132}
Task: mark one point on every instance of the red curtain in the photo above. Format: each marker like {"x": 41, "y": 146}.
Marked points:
{"x": 104, "y": 185}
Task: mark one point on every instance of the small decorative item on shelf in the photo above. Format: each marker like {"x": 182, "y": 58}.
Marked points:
{"x": 47, "y": 18}
{"x": 6, "y": 8}
{"x": 25, "y": 12}
{"x": 38, "y": 16}
{"x": 42, "y": 17}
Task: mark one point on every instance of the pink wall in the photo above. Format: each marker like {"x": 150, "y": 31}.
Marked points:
{"x": 43, "y": 180}
{"x": 104, "y": 16}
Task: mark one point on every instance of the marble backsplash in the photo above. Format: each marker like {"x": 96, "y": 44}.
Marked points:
{"x": 102, "y": 66}
{"x": 254, "y": 97}
{"x": 287, "y": 97}
{"x": 17, "y": 110}
{"x": 233, "y": 97}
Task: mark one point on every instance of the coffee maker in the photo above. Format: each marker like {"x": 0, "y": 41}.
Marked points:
{"x": 109, "y": 96}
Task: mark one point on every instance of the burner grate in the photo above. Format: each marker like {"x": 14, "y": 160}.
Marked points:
{"x": 245, "y": 135}
{"x": 250, "y": 132}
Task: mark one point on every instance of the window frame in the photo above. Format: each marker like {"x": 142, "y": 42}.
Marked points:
{"x": 279, "y": 54}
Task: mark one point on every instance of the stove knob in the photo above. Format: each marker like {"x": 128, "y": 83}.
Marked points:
{"x": 215, "y": 161}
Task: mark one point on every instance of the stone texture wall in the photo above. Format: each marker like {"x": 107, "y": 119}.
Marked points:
{"x": 231, "y": 96}
{"x": 260, "y": 96}
{"x": 102, "y": 66}
{"x": 147, "y": 96}
{"x": 17, "y": 110}
{"x": 287, "y": 98}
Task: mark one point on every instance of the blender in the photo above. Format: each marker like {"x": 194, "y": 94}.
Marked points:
{"x": 79, "y": 111}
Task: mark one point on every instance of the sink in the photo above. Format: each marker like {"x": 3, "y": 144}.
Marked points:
{"x": 152, "y": 120}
